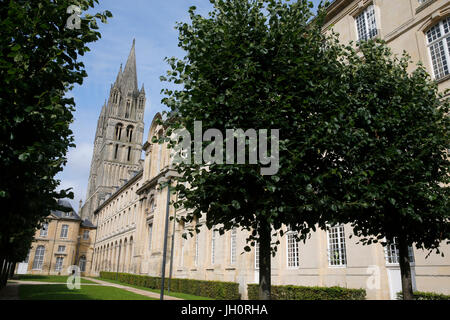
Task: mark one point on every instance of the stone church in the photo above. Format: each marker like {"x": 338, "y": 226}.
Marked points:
{"x": 124, "y": 202}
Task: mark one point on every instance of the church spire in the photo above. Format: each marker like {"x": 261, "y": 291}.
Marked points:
{"x": 129, "y": 74}
{"x": 119, "y": 76}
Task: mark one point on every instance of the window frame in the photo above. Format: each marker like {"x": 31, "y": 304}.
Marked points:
{"x": 391, "y": 254}
{"x": 62, "y": 231}
{"x": 38, "y": 264}
{"x": 366, "y": 14}
{"x": 233, "y": 246}
{"x": 444, "y": 40}
{"x": 59, "y": 266}
{"x": 44, "y": 228}
{"x": 292, "y": 256}
{"x": 340, "y": 244}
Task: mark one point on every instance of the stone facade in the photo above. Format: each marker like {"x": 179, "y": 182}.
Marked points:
{"x": 65, "y": 240}
{"x": 131, "y": 219}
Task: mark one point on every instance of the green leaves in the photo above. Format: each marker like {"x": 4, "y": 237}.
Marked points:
{"x": 39, "y": 65}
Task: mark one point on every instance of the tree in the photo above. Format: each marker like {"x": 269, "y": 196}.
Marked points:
{"x": 394, "y": 155}
{"x": 257, "y": 64}
{"x": 40, "y": 45}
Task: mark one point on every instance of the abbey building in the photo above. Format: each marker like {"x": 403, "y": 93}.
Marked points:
{"x": 128, "y": 208}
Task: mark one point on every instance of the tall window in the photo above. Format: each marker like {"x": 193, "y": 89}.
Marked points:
{"x": 44, "y": 230}
{"x": 129, "y": 133}
{"x": 233, "y": 246}
{"x": 118, "y": 131}
{"x": 150, "y": 233}
{"x": 59, "y": 263}
{"x": 158, "y": 164}
{"x": 257, "y": 255}
{"x": 116, "y": 151}
{"x": 337, "y": 255}
{"x": 438, "y": 38}
{"x": 182, "y": 252}
{"x": 292, "y": 249}
{"x": 213, "y": 247}
{"x": 127, "y": 112}
{"x": 64, "y": 231}
{"x": 196, "y": 250}
{"x": 85, "y": 234}
{"x": 82, "y": 264}
{"x": 129, "y": 154}
{"x": 391, "y": 251}
{"x": 39, "y": 258}
{"x": 366, "y": 24}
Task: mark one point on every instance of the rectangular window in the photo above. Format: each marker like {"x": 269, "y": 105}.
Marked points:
{"x": 182, "y": 252}
{"x": 59, "y": 263}
{"x": 61, "y": 249}
{"x": 438, "y": 38}
{"x": 337, "y": 255}
{"x": 366, "y": 24}
{"x": 233, "y": 246}
{"x": 44, "y": 230}
{"x": 64, "y": 231}
{"x": 86, "y": 235}
{"x": 391, "y": 252}
{"x": 150, "y": 234}
{"x": 196, "y": 250}
{"x": 39, "y": 258}
{"x": 213, "y": 247}
{"x": 292, "y": 249}
{"x": 257, "y": 255}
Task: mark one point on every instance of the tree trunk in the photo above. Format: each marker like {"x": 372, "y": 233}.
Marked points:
{"x": 264, "y": 261}
{"x": 405, "y": 269}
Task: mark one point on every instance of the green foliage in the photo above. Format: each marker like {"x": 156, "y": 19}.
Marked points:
{"x": 308, "y": 293}
{"x": 261, "y": 65}
{"x": 418, "y": 295}
{"x": 394, "y": 160}
{"x": 212, "y": 289}
{"x": 39, "y": 64}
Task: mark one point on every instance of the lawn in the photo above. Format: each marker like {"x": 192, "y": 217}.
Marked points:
{"x": 180, "y": 295}
{"x": 61, "y": 292}
{"x": 42, "y": 278}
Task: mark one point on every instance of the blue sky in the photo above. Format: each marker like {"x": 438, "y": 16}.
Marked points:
{"x": 152, "y": 24}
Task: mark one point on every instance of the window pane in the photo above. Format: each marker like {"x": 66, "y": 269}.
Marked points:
{"x": 293, "y": 259}
{"x": 438, "y": 58}
{"x": 434, "y": 33}
{"x": 337, "y": 255}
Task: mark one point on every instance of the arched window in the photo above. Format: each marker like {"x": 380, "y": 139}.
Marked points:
{"x": 127, "y": 112}
{"x": 116, "y": 151}
{"x": 39, "y": 258}
{"x": 130, "y": 133}
{"x": 82, "y": 263}
{"x": 118, "y": 133}
{"x": 438, "y": 37}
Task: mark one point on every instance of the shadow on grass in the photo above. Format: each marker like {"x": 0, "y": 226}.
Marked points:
{"x": 61, "y": 292}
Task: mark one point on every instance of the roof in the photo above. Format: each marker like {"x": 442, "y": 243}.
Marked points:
{"x": 69, "y": 215}
{"x": 87, "y": 224}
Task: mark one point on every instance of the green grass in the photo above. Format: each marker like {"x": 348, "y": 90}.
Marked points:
{"x": 42, "y": 278}
{"x": 61, "y": 292}
{"x": 180, "y": 295}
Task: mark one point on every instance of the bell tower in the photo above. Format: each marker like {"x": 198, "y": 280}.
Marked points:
{"x": 118, "y": 138}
